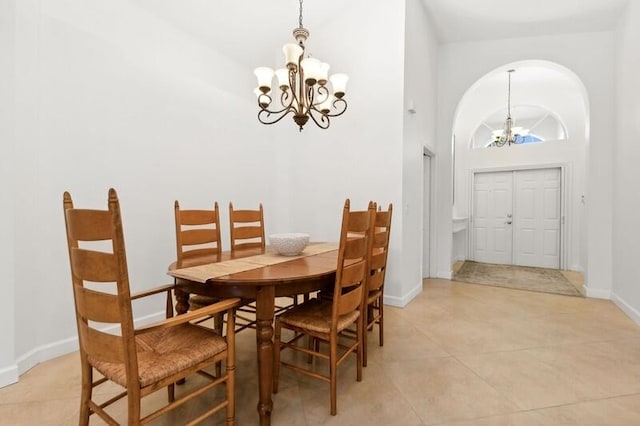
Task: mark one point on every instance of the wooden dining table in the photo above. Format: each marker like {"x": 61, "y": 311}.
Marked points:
{"x": 262, "y": 280}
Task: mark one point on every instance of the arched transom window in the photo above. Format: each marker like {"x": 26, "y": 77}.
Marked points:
{"x": 532, "y": 124}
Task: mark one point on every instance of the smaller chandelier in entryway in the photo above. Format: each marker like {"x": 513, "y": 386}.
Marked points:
{"x": 304, "y": 87}
{"x": 509, "y": 134}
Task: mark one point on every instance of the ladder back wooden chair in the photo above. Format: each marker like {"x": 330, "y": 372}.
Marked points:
{"x": 198, "y": 242}
{"x": 141, "y": 360}
{"x": 377, "y": 270}
{"x": 246, "y": 228}
{"x": 323, "y": 320}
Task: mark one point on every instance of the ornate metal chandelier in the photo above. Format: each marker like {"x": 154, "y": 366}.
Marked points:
{"x": 509, "y": 134}
{"x": 304, "y": 88}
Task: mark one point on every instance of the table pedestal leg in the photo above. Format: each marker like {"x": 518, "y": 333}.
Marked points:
{"x": 182, "y": 301}
{"x": 264, "y": 340}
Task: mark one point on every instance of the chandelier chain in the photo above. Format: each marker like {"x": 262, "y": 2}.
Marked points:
{"x": 509, "y": 95}
{"x": 300, "y": 16}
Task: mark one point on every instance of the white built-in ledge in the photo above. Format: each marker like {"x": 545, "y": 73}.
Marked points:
{"x": 460, "y": 224}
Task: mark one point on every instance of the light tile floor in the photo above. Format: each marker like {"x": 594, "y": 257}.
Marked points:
{"x": 458, "y": 354}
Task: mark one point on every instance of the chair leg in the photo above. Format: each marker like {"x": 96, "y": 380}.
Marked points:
{"x": 171, "y": 392}
{"x": 231, "y": 392}
{"x": 310, "y": 346}
{"x": 218, "y": 323}
{"x": 230, "y": 369}
{"x": 360, "y": 336}
{"x": 133, "y": 402}
{"x": 85, "y": 397}
{"x": 276, "y": 355}
{"x": 333, "y": 367}
{"x": 381, "y": 321}
{"x": 367, "y": 314}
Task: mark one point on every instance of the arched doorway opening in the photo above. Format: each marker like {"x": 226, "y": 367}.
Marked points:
{"x": 549, "y": 101}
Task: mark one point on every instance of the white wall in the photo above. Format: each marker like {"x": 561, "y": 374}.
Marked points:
{"x": 8, "y": 369}
{"x": 626, "y": 192}
{"x": 590, "y": 57}
{"x": 109, "y": 95}
{"x": 420, "y": 87}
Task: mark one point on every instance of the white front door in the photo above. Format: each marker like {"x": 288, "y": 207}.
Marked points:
{"x": 537, "y": 218}
{"x": 516, "y": 217}
{"x": 492, "y": 208}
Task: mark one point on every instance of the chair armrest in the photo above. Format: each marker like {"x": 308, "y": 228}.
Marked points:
{"x": 224, "y": 305}
{"x": 161, "y": 289}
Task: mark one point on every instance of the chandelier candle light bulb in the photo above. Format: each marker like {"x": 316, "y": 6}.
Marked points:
{"x": 292, "y": 53}
{"x": 264, "y": 75}
{"x": 282, "y": 74}
{"x": 304, "y": 86}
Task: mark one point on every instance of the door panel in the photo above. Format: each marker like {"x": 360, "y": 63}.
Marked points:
{"x": 492, "y": 234}
{"x": 537, "y": 218}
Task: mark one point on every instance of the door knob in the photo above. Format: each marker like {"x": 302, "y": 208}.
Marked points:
{"x": 509, "y": 215}
{"x": 508, "y": 222}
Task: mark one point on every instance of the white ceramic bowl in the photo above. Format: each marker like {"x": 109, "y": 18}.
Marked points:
{"x": 290, "y": 244}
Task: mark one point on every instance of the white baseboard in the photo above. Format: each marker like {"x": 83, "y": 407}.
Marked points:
{"x": 65, "y": 346}
{"x": 46, "y": 352}
{"x": 576, "y": 268}
{"x": 597, "y": 293}
{"x": 9, "y": 375}
{"x": 633, "y": 313}
{"x": 401, "y": 302}
{"x": 460, "y": 258}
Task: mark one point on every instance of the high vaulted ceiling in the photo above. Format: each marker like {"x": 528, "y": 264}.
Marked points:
{"x": 252, "y": 31}
{"x": 465, "y": 20}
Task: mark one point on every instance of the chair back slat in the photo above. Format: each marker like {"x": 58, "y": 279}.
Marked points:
{"x": 95, "y": 266}
{"x": 355, "y": 248}
{"x": 353, "y": 261}
{"x": 352, "y": 274}
{"x": 192, "y": 237}
{"x": 101, "y": 346}
{"x": 207, "y": 255}
{"x": 375, "y": 281}
{"x": 197, "y": 234}
{"x": 380, "y": 238}
{"x": 246, "y": 232}
{"x": 246, "y": 216}
{"x": 359, "y": 222}
{"x": 378, "y": 260}
{"x": 199, "y": 217}
{"x": 350, "y": 301}
{"x": 250, "y": 245}
{"x": 89, "y": 225}
{"x": 246, "y": 228}
{"x": 97, "y": 306}
{"x": 383, "y": 219}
